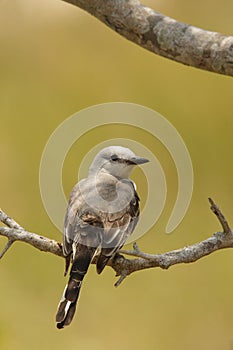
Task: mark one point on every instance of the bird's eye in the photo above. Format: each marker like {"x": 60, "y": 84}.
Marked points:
{"x": 114, "y": 157}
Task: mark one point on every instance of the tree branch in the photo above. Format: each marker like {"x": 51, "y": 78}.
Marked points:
{"x": 163, "y": 35}
{"x": 14, "y": 232}
{"x": 122, "y": 266}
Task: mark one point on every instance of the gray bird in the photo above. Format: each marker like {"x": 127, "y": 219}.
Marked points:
{"x": 103, "y": 211}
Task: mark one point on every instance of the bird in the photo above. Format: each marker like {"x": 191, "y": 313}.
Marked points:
{"x": 102, "y": 212}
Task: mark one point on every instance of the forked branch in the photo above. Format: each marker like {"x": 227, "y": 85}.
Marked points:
{"x": 123, "y": 266}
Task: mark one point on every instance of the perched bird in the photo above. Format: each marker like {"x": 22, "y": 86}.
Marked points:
{"x": 103, "y": 211}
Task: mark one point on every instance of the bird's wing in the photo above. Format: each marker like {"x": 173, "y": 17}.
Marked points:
{"x": 82, "y": 223}
{"x": 71, "y": 220}
{"x": 120, "y": 224}
{"x": 94, "y": 222}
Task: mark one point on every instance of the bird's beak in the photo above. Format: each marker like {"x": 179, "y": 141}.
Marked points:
{"x": 139, "y": 160}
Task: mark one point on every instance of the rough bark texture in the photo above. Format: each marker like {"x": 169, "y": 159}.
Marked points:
{"x": 122, "y": 266}
{"x": 163, "y": 35}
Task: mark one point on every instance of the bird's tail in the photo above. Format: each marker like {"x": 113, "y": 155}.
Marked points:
{"x": 67, "y": 305}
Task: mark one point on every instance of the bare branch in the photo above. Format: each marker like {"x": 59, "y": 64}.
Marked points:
{"x": 7, "y": 246}
{"x": 162, "y": 35}
{"x": 9, "y": 221}
{"x": 215, "y": 209}
{"x": 14, "y": 232}
{"x": 121, "y": 279}
{"x": 185, "y": 255}
{"x": 136, "y": 252}
{"x": 121, "y": 265}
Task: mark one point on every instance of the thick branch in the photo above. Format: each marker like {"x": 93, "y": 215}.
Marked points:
{"x": 163, "y": 35}
{"x": 122, "y": 266}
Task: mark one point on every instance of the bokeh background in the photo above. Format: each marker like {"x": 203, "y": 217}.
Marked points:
{"x": 56, "y": 60}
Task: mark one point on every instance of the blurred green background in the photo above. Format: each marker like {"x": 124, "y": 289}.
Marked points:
{"x": 55, "y": 60}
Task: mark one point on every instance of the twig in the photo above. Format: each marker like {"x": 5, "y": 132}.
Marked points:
{"x": 136, "y": 252}
{"x": 121, "y": 279}
{"x": 216, "y": 210}
{"x": 7, "y": 246}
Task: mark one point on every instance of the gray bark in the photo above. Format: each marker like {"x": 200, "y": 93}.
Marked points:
{"x": 162, "y": 35}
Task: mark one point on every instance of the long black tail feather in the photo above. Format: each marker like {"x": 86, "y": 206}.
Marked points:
{"x": 67, "y": 305}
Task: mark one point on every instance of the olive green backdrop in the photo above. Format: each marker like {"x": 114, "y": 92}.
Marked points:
{"x": 55, "y": 60}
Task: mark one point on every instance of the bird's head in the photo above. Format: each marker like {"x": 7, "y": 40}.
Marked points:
{"x": 115, "y": 160}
